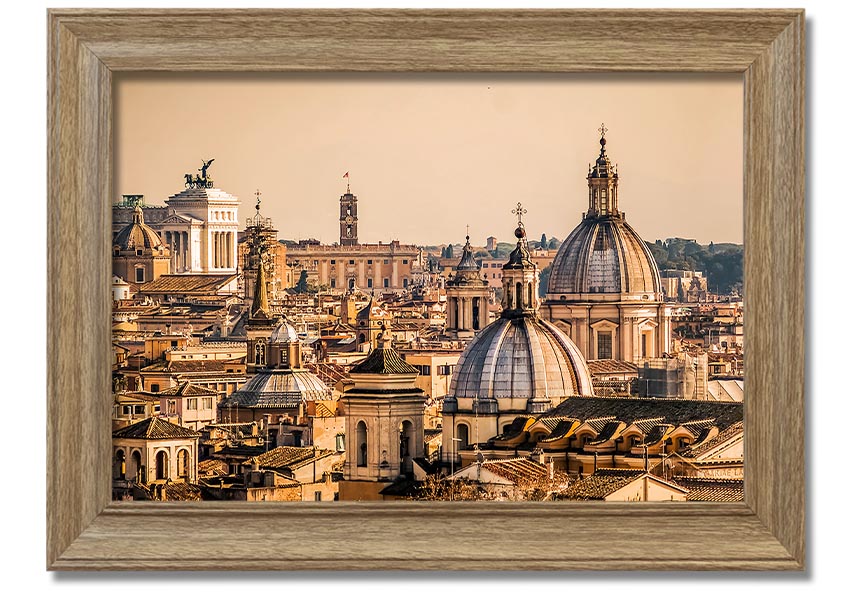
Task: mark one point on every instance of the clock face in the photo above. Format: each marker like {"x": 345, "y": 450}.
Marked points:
{"x": 349, "y": 219}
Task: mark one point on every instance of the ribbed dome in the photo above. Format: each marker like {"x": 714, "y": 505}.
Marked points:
{"x": 284, "y": 333}
{"x": 137, "y": 235}
{"x": 278, "y": 388}
{"x": 605, "y": 256}
{"x": 523, "y": 358}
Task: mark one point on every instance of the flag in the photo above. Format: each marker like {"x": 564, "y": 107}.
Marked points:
{"x": 346, "y": 175}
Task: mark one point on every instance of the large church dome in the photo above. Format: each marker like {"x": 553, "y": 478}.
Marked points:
{"x": 603, "y": 255}
{"x": 524, "y": 357}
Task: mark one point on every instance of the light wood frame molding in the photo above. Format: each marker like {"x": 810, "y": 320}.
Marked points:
{"x": 87, "y": 531}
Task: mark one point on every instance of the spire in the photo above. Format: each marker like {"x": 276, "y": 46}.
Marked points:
{"x": 467, "y": 260}
{"x": 261, "y": 300}
{"x": 520, "y": 257}
{"x": 138, "y": 215}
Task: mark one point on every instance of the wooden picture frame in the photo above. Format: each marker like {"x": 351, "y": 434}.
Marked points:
{"x": 85, "y": 530}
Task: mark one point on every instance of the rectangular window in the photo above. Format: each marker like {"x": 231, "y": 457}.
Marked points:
{"x": 369, "y": 282}
{"x": 369, "y": 262}
{"x": 126, "y": 409}
{"x": 192, "y": 403}
{"x": 208, "y": 403}
{"x": 404, "y": 282}
{"x": 404, "y": 262}
{"x": 386, "y": 261}
{"x": 444, "y": 369}
{"x": 140, "y": 275}
{"x": 386, "y": 282}
{"x": 424, "y": 369}
{"x": 643, "y": 341}
{"x": 317, "y": 496}
{"x": 139, "y": 409}
{"x": 351, "y": 261}
{"x": 603, "y": 346}
{"x": 333, "y": 262}
{"x": 333, "y": 283}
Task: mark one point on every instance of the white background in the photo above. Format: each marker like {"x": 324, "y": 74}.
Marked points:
{"x": 22, "y": 164}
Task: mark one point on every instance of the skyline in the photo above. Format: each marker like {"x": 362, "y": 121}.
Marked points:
{"x": 436, "y": 144}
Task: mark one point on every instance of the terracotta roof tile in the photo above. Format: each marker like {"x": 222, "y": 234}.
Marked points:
{"x": 155, "y": 428}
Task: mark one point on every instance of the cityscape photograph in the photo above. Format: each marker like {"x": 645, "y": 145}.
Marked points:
{"x": 426, "y": 288}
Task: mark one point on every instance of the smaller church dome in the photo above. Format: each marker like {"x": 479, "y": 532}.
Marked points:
{"x": 137, "y": 235}
{"x": 284, "y": 333}
{"x": 525, "y": 357}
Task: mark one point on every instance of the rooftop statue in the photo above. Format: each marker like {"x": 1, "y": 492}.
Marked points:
{"x": 200, "y": 181}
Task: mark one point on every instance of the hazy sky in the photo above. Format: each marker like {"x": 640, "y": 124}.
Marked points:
{"x": 428, "y": 154}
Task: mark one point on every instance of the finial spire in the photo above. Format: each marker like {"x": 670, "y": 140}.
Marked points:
{"x": 258, "y": 193}
{"x": 519, "y": 211}
{"x": 603, "y": 130}
{"x": 347, "y": 183}
{"x": 260, "y": 303}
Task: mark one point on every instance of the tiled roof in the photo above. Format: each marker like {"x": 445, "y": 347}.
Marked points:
{"x": 212, "y": 467}
{"x": 629, "y": 410}
{"x": 188, "y": 389}
{"x": 193, "y": 366}
{"x": 563, "y": 428}
{"x": 186, "y": 284}
{"x": 597, "y": 424}
{"x": 599, "y": 485}
{"x": 176, "y": 491}
{"x": 154, "y": 428}
{"x": 384, "y": 361}
{"x": 704, "y": 489}
{"x": 290, "y": 457}
{"x": 323, "y": 411}
{"x": 516, "y": 427}
{"x": 657, "y": 434}
{"x": 610, "y": 430}
{"x": 516, "y": 470}
{"x": 433, "y": 434}
{"x": 605, "y": 366}
{"x": 698, "y": 449}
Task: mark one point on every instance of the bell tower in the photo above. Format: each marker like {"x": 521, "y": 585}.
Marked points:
{"x": 348, "y": 218}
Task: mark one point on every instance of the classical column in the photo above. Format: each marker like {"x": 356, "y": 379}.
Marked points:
{"x": 229, "y": 249}
{"x": 185, "y": 250}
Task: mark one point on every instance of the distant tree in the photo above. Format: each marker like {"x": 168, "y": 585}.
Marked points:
{"x": 450, "y": 251}
{"x": 301, "y": 286}
{"x": 711, "y": 247}
{"x": 543, "y": 242}
{"x": 554, "y": 243}
{"x": 544, "y": 279}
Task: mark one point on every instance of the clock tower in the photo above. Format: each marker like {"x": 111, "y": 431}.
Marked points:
{"x": 348, "y": 218}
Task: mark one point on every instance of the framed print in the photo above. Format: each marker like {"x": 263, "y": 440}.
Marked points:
{"x": 101, "y": 453}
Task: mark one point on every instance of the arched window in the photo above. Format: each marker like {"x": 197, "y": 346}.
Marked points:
{"x": 405, "y": 435}
{"x": 362, "y": 338}
{"x": 260, "y": 354}
{"x": 183, "y": 463}
{"x": 463, "y": 436}
{"x": 362, "y": 444}
{"x": 530, "y": 295}
{"x": 136, "y": 466}
{"x": 519, "y": 302}
{"x": 120, "y": 466}
{"x": 162, "y": 464}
